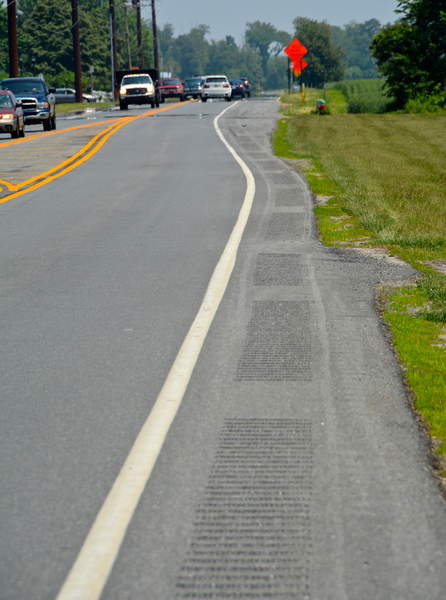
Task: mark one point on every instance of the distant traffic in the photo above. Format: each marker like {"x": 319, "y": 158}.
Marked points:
{"x": 29, "y": 101}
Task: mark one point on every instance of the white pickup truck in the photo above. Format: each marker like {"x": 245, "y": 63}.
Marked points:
{"x": 136, "y": 88}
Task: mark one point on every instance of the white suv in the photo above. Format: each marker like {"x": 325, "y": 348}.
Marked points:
{"x": 136, "y": 89}
{"x": 216, "y": 86}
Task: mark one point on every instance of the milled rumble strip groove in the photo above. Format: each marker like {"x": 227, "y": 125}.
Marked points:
{"x": 94, "y": 563}
{"x": 77, "y": 159}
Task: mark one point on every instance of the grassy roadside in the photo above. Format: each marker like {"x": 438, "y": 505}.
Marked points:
{"x": 380, "y": 181}
{"x": 69, "y": 107}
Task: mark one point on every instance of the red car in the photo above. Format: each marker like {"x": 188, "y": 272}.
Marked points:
{"x": 171, "y": 88}
{"x": 11, "y": 115}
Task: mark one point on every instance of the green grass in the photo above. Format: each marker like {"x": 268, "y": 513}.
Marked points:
{"x": 386, "y": 180}
{"x": 422, "y": 352}
{"x": 69, "y": 107}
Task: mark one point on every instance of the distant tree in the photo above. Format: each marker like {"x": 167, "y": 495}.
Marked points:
{"x": 224, "y": 57}
{"x": 266, "y": 40}
{"x": 166, "y": 41}
{"x": 324, "y": 57}
{"x": 355, "y": 40}
{"x": 411, "y": 54}
{"x": 192, "y": 51}
{"x": 250, "y": 65}
{"x": 277, "y": 73}
{"x": 95, "y": 44}
{"x": 47, "y": 48}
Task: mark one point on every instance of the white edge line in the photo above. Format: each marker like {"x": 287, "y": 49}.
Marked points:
{"x": 91, "y": 570}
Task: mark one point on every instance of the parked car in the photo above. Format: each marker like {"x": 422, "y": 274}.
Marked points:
{"x": 69, "y": 95}
{"x": 38, "y": 102}
{"x": 136, "y": 89}
{"x": 11, "y": 115}
{"x": 171, "y": 88}
{"x": 193, "y": 87}
{"x": 238, "y": 88}
{"x": 248, "y": 85}
{"x": 216, "y": 86}
{"x": 102, "y": 96}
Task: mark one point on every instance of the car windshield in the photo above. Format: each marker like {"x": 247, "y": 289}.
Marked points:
{"x": 24, "y": 86}
{"x": 171, "y": 82}
{"x": 6, "y": 101}
{"x": 136, "y": 79}
{"x": 193, "y": 81}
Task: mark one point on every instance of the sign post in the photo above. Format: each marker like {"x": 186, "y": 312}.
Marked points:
{"x": 295, "y": 52}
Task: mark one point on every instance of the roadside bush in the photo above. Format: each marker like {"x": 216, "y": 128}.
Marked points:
{"x": 427, "y": 104}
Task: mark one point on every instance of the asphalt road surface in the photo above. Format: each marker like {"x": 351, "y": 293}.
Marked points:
{"x": 294, "y": 468}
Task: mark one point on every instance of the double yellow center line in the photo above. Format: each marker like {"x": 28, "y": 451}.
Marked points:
{"x": 74, "y": 161}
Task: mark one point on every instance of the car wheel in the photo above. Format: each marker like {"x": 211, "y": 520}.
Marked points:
{"x": 53, "y": 122}
{"x": 22, "y": 131}
{"x": 228, "y": 98}
{"x": 15, "y": 132}
{"x": 152, "y": 103}
{"x": 47, "y": 124}
{"x": 123, "y": 106}
{"x": 182, "y": 98}
{"x": 203, "y": 99}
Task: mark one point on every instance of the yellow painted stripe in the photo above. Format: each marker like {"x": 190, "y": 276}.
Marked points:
{"x": 48, "y": 177}
{"x": 28, "y": 138}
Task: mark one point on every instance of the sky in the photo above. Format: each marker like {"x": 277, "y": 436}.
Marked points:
{"x": 229, "y": 17}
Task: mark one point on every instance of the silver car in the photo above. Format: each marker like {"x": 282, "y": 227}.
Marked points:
{"x": 216, "y": 86}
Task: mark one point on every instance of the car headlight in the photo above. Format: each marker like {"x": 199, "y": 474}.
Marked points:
{"x": 122, "y": 91}
{"x": 8, "y": 117}
{"x": 43, "y": 105}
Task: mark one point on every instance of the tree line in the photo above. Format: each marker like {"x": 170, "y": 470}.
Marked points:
{"x": 47, "y": 49}
{"x": 334, "y": 52}
{"x": 410, "y": 54}
{"x": 45, "y": 40}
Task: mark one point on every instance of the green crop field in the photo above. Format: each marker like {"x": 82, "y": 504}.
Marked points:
{"x": 363, "y": 95}
{"x": 386, "y": 176}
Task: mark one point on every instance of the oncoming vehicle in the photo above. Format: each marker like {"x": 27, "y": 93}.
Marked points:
{"x": 136, "y": 89}
{"x": 11, "y": 115}
{"x": 38, "y": 102}
{"x": 171, "y": 88}
{"x": 193, "y": 87}
{"x": 216, "y": 86}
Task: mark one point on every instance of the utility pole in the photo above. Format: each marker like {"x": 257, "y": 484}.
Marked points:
{"x": 114, "y": 60}
{"x": 139, "y": 44}
{"x": 155, "y": 53}
{"x": 76, "y": 50}
{"x": 12, "y": 39}
{"x": 155, "y": 39}
{"x": 127, "y": 35}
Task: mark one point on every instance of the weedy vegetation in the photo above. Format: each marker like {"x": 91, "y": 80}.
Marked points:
{"x": 364, "y": 95}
